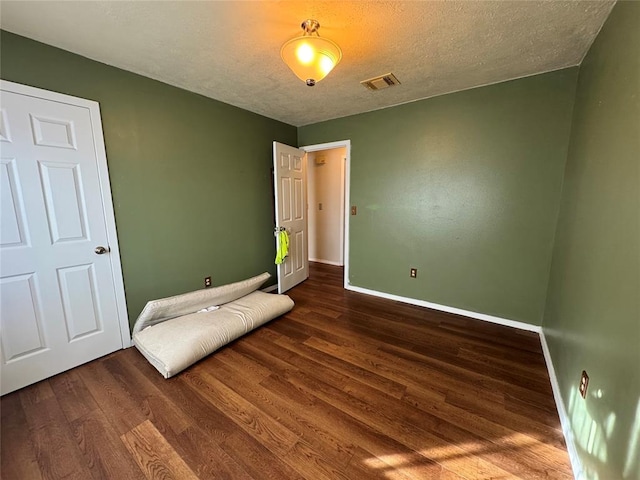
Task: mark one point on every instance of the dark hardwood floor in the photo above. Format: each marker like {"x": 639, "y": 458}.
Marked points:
{"x": 345, "y": 386}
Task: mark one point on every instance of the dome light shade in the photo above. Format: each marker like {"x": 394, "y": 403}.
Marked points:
{"x": 310, "y": 57}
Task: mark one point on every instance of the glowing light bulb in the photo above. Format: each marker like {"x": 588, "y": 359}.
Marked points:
{"x": 326, "y": 64}
{"x": 305, "y": 53}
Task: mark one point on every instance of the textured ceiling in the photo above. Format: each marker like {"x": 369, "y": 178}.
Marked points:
{"x": 230, "y": 50}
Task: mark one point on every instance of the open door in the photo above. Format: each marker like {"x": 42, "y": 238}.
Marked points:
{"x": 291, "y": 213}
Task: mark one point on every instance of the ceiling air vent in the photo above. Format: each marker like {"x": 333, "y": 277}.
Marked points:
{"x": 383, "y": 81}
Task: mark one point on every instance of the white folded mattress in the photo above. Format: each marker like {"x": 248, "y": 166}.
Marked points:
{"x": 174, "y": 344}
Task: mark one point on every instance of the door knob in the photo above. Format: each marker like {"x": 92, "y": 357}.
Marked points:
{"x": 100, "y": 250}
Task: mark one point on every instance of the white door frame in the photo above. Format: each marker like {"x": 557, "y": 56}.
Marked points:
{"x": 105, "y": 190}
{"x": 347, "y": 197}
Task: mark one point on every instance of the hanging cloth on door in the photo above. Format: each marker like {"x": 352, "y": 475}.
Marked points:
{"x": 283, "y": 246}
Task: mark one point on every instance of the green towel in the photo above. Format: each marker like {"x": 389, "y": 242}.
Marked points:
{"x": 283, "y": 246}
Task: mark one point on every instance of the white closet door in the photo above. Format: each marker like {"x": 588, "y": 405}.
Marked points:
{"x": 58, "y": 296}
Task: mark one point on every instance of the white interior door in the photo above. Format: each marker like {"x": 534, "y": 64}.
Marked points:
{"x": 58, "y": 293}
{"x": 291, "y": 213}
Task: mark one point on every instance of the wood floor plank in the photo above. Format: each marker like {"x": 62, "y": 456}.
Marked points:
{"x": 151, "y": 402}
{"x": 258, "y": 354}
{"x": 348, "y": 428}
{"x": 57, "y": 454}
{"x": 480, "y": 426}
{"x": 104, "y": 453}
{"x": 206, "y": 457}
{"x": 335, "y": 361}
{"x": 500, "y": 451}
{"x": 402, "y": 430}
{"x": 497, "y": 413}
{"x": 345, "y": 386}
{"x": 378, "y": 447}
{"x": 116, "y": 402}
{"x": 246, "y": 365}
{"x": 332, "y": 448}
{"x": 490, "y": 378}
{"x": 283, "y": 351}
{"x": 310, "y": 463}
{"x": 256, "y": 459}
{"x": 401, "y": 466}
{"x": 17, "y": 455}
{"x": 445, "y": 378}
{"x": 202, "y": 413}
{"x": 248, "y": 417}
{"x": 487, "y": 454}
{"x": 154, "y": 455}
{"x": 36, "y": 393}
{"x": 73, "y": 396}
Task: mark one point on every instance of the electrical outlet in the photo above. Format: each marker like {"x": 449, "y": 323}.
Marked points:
{"x": 320, "y": 206}
{"x": 207, "y": 282}
{"x": 354, "y": 210}
{"x": 413, "y": 273}
{"x": 584, "y": 383}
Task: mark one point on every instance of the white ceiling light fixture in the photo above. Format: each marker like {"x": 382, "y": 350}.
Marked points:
{"x": 310, "y": 56}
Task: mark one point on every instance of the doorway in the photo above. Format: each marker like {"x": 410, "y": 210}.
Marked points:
{"x": 328, "y": 167}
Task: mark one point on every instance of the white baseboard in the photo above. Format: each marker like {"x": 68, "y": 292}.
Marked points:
{"x": 445, "y": 308}
{"x": 576, "y": 465}
{"x": 270, "y": 288}
{"x": 328, "y": 262}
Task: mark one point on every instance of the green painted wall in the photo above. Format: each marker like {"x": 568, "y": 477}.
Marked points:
{"x": 190, "y": 176}
{"x": 592, "y": 319}
{"x": 465, "y": 187}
